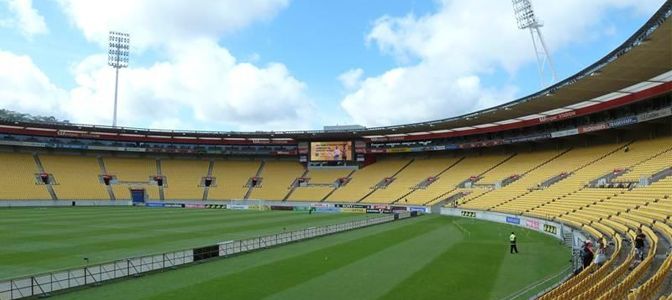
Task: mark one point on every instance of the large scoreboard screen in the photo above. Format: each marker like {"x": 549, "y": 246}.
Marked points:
{"x": 331, "y": 151}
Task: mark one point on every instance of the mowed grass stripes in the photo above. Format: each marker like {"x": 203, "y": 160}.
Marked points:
{"x": 430, "y": 257}
{"x": 34, "y": 240}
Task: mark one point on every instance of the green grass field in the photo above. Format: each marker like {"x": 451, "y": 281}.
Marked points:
{"x": 430, "y": 257}
{"x": 34, "y": 240}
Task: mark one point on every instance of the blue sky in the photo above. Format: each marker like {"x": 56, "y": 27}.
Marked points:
{"x": 280, "y": 64}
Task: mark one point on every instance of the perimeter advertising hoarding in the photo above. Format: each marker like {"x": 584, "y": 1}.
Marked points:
{"x": 331, "y": 151}
{"x": 378, "y": 211}
{"x": 281, "y": 207}
{"x": 548, "y": 227}
{"x": 237, "y": 206}
{"x": 513, "y": 220}
{"x": 327, "y": 209}
{"x": 348, "y": 205}
{"x": 417, "y": 208}
{"x": 353, "y": 210}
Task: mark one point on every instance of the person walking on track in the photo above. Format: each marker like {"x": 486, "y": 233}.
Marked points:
{"x": 514, "y": 247}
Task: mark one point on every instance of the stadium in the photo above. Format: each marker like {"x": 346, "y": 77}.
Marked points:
{"x": 426, "y": 210}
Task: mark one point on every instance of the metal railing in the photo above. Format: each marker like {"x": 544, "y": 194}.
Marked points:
{"x": 45, "y": 283}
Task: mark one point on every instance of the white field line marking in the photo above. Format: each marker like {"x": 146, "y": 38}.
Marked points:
{"x": 536, "y": 284}
{"x": 462, "y": 229}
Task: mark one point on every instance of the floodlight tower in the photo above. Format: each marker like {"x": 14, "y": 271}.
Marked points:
{"x": 527, "y": 20}
{"x": 117, "y": 57}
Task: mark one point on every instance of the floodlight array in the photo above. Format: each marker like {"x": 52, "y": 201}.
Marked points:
{"x": 118, "y": 50}
{"x": 524, "y": 14}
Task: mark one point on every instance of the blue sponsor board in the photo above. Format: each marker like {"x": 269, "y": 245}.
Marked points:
{"x": 623, "y": 122}
{"x": 236, "y": 206}
{"x": 155, "y": 204}
{"x": 513, "y": 220}
{"x": 420, "y": 209}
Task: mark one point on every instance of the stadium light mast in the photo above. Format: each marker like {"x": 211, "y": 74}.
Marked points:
{"x": 117, "y": 57}
{"x": 527, "y": 20}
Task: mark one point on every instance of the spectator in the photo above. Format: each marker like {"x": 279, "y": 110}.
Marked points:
{"x": 640, "y": 240}
{"x": 514, "y": 247}
{"x": 587, "y": 254}
{"x": 601, "y": 255}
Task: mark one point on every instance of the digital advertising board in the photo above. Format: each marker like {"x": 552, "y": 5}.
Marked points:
{"x": 331, "y": 151}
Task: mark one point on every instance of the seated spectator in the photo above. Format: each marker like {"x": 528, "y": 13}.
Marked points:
{"x": 587, "y": 254}
{"x": 640, "y": 240}
{"x": 601, "y": 253}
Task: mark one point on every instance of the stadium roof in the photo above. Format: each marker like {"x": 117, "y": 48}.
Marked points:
{"x": 646, "y": 55}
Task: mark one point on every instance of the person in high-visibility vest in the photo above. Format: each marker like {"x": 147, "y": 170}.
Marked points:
{"x": 512, "y": 239}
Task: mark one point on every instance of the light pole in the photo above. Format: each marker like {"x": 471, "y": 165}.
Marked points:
{"x": 117, "y": 57}
{"x": 527, "y": 20}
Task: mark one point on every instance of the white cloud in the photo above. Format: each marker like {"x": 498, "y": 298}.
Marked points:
{"x": 417, "y": 93}
{"x": 203, "y": 82}
{"x": 25, "y": 18}
{"x": 351, "y": 78}
{"x": 24, "y": 88}
{"x": 456, "y": 46}
{"x": 155, "y": 23}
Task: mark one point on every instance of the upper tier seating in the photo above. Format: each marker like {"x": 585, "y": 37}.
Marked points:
{"x": 17, "y": 178}
{"x": 320, "y": 184}
{"x": 406, "y": 180}
{"x": 231, "y": 177}
{"x": 277, "y": 178}
{"x": 535, "y": 163}
{"x": 517, "y": 165}
{"x": 576, "y": 194}
{"x": 448, "y": 181}
{"x": 651, "y": 166}
{"x": 76, "y": 177}
{"x": 568, "y": 162}
{"x": 364, "y": 180}
{"x": 183, "y": 178}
